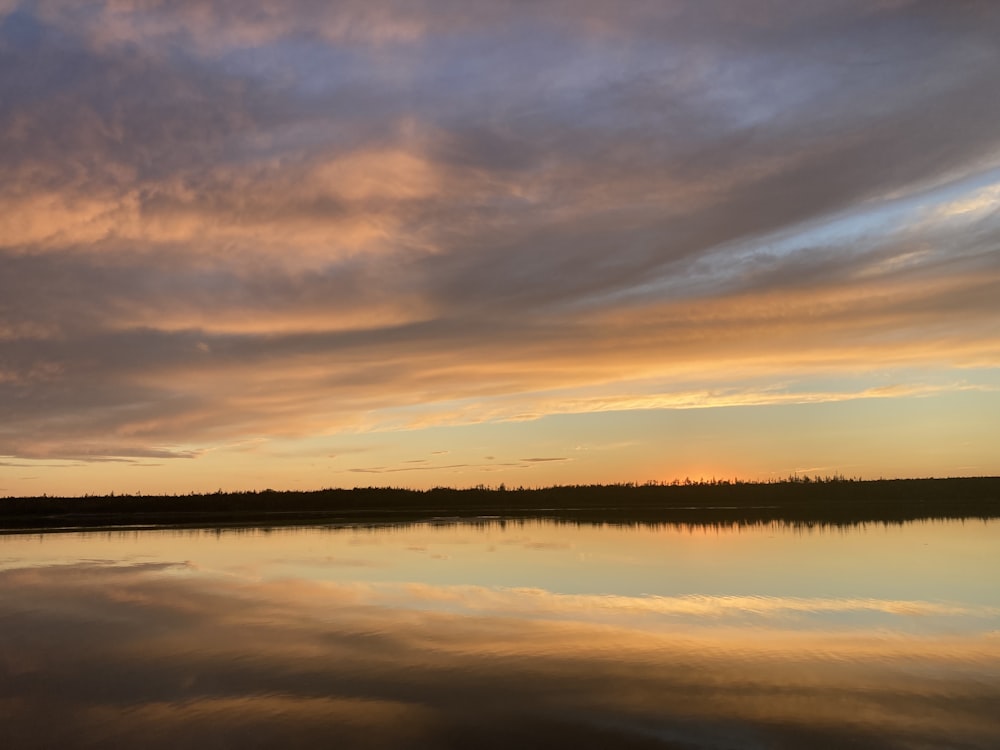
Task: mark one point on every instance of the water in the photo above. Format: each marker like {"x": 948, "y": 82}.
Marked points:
{"x": 532, "y": 634}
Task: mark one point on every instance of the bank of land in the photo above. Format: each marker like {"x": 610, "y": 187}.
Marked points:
{"x": 823, "y": 501}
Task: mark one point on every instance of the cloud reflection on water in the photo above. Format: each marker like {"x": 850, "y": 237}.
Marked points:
{"x": 165, "y": 656}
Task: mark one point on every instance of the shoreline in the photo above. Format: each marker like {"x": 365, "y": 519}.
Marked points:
{"x": 827, "y": 502}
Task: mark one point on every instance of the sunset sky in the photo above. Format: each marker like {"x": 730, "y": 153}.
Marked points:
{"x": 301, "y": 244}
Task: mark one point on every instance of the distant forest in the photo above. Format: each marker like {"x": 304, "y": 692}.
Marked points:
{"x": 829, "y": 500}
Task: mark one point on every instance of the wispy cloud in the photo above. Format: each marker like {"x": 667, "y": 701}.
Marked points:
{"x": 409, "y": 466}
{"x": 396, "y": 469}
{"x": 228, "y": 221}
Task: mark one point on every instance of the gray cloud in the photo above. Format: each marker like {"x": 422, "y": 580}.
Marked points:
{"x": 397, "y": 469}
{"x": 237, "y": 218}
{"x": 448, "y": 467}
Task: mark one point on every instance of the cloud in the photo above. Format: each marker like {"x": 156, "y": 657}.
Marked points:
{"x": 395, "y": 469}
{"x": 409, "y": 466}
{"x": 225, "y": 221}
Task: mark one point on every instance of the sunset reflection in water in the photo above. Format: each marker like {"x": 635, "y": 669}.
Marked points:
{"x": 497, "y": 635}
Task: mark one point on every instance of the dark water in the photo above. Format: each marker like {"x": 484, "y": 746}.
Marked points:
{"x": 503, "y": 635}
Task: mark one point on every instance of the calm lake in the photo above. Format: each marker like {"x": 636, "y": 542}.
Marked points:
{"x": 503, "y": 634}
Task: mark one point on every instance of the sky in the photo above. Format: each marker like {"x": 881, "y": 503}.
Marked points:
{"x": 415, "y": 243}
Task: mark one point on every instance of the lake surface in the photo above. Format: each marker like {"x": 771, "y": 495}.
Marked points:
{"x": 504, "y": 634}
